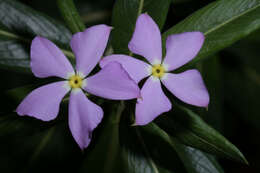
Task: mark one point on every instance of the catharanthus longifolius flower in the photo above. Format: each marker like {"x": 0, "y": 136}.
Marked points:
{"x": 111, "y": 82}
{"x": 188, "y": 86}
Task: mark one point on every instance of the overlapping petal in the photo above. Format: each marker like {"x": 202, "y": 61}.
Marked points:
{"x": 112, "y": 82}
{"x": 152, "y": 104}
{"x": 84, "y": 116}
{"x": 188, "y": 87}
{"x": 89, "y": 46}
{"x": 181, "y": 48}
{"x": 146, "y": 40}
{"x": 48, "y": 60}
{"x": 44, "y": 102}
{"x": 137, "y": 69}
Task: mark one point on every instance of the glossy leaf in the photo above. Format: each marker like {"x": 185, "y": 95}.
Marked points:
{"x": 197, "y": 161}
{"x": 145, "y": 152}
{"x": 124, "y": 16}
{"x": 223, "y": 23}
{"x": 194, "y": 160}
{"x": 18, "y": 26}
{"x": 191, "y": 130}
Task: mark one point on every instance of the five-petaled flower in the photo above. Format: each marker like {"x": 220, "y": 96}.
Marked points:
{"x": 111, "y": 82}
{"x": 188, "y": 86}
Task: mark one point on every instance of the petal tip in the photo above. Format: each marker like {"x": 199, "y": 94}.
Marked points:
{"x": 144, "y": 15}
{"x": 201, "y": 35}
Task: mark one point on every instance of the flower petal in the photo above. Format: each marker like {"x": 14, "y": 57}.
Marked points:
{"x": 43, "y": 103}
{"x": 137, "y": 69}
{"x": 152, "y": 104}
{"x": 89, "y": 46}
{"x": 146, "y": 40}
{"x": 84, "y": 116}
{"x": 188, "y": 87}
{"x": 48, "y": 60}
{"x": 112, "y": 82}
{"x": 181, "y": 48}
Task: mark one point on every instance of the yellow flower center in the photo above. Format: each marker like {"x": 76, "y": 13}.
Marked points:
{"x": 75, "y": 81}
{"x": 158, "y": 71}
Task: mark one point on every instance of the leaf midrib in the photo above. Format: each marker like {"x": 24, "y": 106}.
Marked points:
{"x": 214, "y": 146}
{"x": 18, "y": 37}
{"x": 231, "y": 19}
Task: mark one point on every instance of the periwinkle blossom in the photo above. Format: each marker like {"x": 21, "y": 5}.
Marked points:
{"x": 111, "y": 82}
{"x": 188, "y": 86}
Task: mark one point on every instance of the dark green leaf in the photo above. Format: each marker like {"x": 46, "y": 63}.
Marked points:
{"x": 191, "y": 130}
{"x": 223, "y": 22}
{"x": 71, "y": 15}
{"x": 144, "y": 152}
{"x": 18, "y": 25}
{"x": 124, "y": 16}
{"x": 194, "y": 160}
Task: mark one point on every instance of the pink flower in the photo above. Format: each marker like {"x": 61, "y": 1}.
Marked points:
{"x": 180, "y": 49}
{"x": 112, "y": 82}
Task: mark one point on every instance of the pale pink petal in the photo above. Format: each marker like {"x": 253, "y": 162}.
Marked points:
{"x": 146, "y": 40}
{"x": 181, "y": 48}
{"x": 137, "y": 69}
{"x": 43, "y": 103}
{"x": 152, "y": 103}
{"x": 188, "y": 87}
{"x": 48, "y": 60}
{"x": 89, "y": 46}
{"x": 84, "y": 116}
{"x": 112, "y": 82}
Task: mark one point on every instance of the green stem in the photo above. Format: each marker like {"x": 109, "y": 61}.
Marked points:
{"x": 140, "y": 9}
{"x": 70, "y": 15}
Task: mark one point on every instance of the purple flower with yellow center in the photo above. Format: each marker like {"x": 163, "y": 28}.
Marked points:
{"x": 111, "y": 82}
{"x": 188, "y": 86}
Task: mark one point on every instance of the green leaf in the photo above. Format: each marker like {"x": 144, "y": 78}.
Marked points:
{"x": 124, "y": 17}
{"x": 18, "y": 25}
{"x": 194, "y": 160}
{"x": 71, "y": 15}
{"x": 191, "y": 130}
{"x": 223, "y": 22}
{"x": 143, "y": 152}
